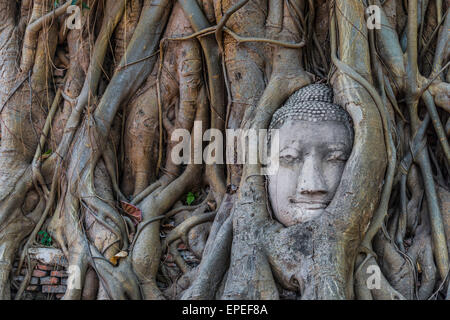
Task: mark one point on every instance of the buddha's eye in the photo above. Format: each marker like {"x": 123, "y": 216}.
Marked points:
{"x": 337, "y": 156}
{"x": 288, "y": 159}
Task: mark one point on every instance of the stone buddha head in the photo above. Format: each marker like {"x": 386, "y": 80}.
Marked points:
{"x": 315, "y": 141}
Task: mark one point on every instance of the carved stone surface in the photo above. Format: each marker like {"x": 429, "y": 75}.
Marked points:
{"x": 316, "y": 139}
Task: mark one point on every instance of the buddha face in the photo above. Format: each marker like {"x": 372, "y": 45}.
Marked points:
{"x": 312, "y": 160}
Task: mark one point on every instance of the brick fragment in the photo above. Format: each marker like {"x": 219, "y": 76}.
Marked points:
{"x": 49, "y": 280}
{"x": 33, "y": 280}
{"x": 32, "y": 288}
{"x": 54, "y": 289}
{"x": 59, "y": 274}
{"x": 45, "y": 267}
{"x": 39, "y": 273}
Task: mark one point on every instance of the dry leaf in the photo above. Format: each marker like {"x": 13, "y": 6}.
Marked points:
{"x": 132, "y": 211}
{"x": 122, "y": 254}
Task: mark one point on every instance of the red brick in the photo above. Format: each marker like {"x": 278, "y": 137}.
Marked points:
{"x": 49, "y": 280}
{"x": 39, "y": 273}
{"x": 53, "y": 289}
{"x": 33, "y": 280}
{"x": 59, "y": 274}
{"x": 45, "y": 267}
{"x": 32, "y": 288}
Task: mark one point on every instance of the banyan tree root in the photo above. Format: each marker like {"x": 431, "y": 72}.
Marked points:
{"x": 204, "y": 280}
{"x": 229, "y": 64}
{"x": 147, "y": 248}
{"x": 23, "y": 115}
{"x": 173, "y": 87}
{"x": 81, "y": 174}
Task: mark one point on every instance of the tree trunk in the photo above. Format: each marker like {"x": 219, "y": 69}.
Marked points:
{"x": 90, "y": 104}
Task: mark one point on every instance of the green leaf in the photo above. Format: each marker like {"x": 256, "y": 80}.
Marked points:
{"x": 46, "y": 239}
{"x": 190, "y": 198}
{"x": 48, "y": 152}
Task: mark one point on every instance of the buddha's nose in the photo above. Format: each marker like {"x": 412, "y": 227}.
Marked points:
{"x": 311, "y": 180}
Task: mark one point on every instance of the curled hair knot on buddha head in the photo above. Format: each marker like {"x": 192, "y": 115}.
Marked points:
{"x": 313, "y": 103}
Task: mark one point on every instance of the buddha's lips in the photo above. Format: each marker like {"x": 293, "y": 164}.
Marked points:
{"x": 303, "y": 201}
{"x": 309, "y": 204}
